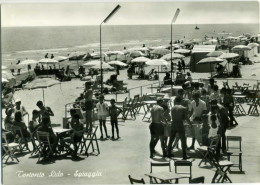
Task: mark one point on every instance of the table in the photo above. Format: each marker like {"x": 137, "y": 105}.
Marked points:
{"x": 166, "y": 177}
{"x": 148, "y": 105}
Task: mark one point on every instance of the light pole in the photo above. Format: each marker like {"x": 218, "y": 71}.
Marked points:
{"x": 106, "y": 20}
{"x": 173, "y": 21}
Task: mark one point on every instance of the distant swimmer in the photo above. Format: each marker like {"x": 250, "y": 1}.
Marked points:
{"x": 197, "y": 28}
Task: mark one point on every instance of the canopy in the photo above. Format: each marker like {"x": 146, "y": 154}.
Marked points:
{"x": 252, "y": 45}
{"x": 118, "y": 63}
{"x": 211, "y": 60}
{"x": 141, "y": 60}
{"x": 157, "y": 62}
{"x": 241, "y": 48}
{"x": 48, "y": 61}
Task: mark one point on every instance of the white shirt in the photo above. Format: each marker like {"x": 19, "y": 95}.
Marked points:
{"x": 102, "y": 109}
{"x": 213, "y": 132}
{"x": 197, "y": 110}
{"x": 22, "y": 110}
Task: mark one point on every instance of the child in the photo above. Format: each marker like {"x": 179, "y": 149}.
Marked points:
{"x": 114, "y": 111}
{"x": 102, "y": 113}
{"x": 214, "y": 126}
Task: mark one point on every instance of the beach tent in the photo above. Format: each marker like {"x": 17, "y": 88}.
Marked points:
{"x": 198, "y": 53}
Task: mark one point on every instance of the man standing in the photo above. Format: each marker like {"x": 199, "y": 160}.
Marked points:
{"x": 179, "y": 114}
{"x": 88, "y": 94}
{"x": 45, "y": 112}
{"x": 157, "y": 128}
{"x": 197, "y": 109}
{"x": 222, "y": 114}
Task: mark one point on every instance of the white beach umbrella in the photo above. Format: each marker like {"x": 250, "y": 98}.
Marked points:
{"x": 92, "y": 63}
{"x": 117, "y": 62}
{"x": 140, "y": 60}
{"x": 228, "y": 55}
{"x": 182, "y": 51}
{"x": 138, "y": 49}
{"x": 96, "y": 55}
{"x": 114, "y": 53}
{"x": 157, "y": 62}
{"x": 76, "y": 54}
{"x": 60, "y": 58}
{"x": 136, "y": 54}
{"x": 174, "y": 56}
{"x": 215, "y": 54}
{"x": 160, "y": 51}
{"x": 241, "y": 48}
{"x": 157, "y": 47}
{"x": 48, "y": 61}
{"x": 252, "y": 45}
{"x": 104, "y": 66}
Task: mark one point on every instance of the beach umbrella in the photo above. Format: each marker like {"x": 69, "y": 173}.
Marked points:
{"x": 241, "y": 48}
{"x": 157, "y": 62}
{"x": 93, "y": 63}
{"x": 157, "y": 47}
{"x": 210, "y": 60}
{"x": 228, "y": 55}
{"x": 114, "y": 53}
{"x": 60, "y": 58}
{"x": 104, "y": 66}
{"x": 174, "y": 56}
{"x": 28, "y": 62}
{"x": 182, "y": 51}
{"x": 138, "y": 49}
{"x": 160, "y": 51}
{"x": 252, "y": 45}
{"x": 96, "y": 55}
{"x": 134, "y": 54}
{"x": 76, "y": 55}
{"x": 140, "y": 60}
{"x": 117, "y": 62}
{"x": 41, "y": 83}
{"x": 48, "y": 61}
{"x": 176, "y": 46}
{"x": 214, "y": 54}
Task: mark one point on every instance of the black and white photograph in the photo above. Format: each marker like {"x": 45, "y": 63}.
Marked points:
{"x": 130, "y": 92}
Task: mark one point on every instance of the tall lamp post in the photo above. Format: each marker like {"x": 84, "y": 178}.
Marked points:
{"x": 173, "y": 21}
{"x": 105, "y": 21}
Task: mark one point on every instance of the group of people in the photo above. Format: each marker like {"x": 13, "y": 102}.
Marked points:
{"x": 208, "y": 107}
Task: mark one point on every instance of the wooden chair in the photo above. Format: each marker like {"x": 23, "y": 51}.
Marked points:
{"x": 21, "y": 140}
{"x": 160, "y": 164}
{"x": 234, "y": 149}
{"x": 128, "y": 108}
{"x": 204, "y": 151}
{"x": 8, "y": 148}
{"x": 92, "y": 138}
{"x": 222, "y": 167}
{"x": 183, "y": 163}
{"x": 132, "y": 180}
{"x": 34, "y": 142}
{"x": 44, "y": 143}
{"x": 197, "y": 180}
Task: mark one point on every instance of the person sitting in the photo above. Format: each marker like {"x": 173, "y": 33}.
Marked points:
{"x": 189, "y": 78}
{"x": 156, "y": 76}
{"x": 46, "y": 127}
{"x": 81, "y": 71}
{"x": 18, "y": 122}
{"x": 141, "y": 74}
{"x": 9, "y": 120}
{"x": 34, "y": 123}
{"x": 220, "y": 69}
{"x": 45, "y": 112}
{"x": 167, "y": 79}
{"x": 19, "y": 108}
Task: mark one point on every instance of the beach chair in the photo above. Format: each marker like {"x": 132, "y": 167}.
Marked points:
{"x": 222, "y": 167}
{"x": 35, "y": 142}
{"x": 234, "y": 149}
{"x": 9, "y": 149}
{"x": 21, "y": 140}
{"x": 204, "y": 151}
{"x": 159, "y": 164}
{"x": 178, "y": 163}
{"x": 253, "y": 107}
{"x": 136, "y": 181}
{"x": 128, "y": 108}
{"x": 44, "y": 143}
{"x": 92, "y": 138}
{"x": 197, "y": 180}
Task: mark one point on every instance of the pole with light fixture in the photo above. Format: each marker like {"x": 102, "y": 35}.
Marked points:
{"x": 173, "y": 21}
{"x": 106, "y": 20}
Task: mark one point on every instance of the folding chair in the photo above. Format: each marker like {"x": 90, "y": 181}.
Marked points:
{"x": 222, "y": 167}
{"x": 253, "y": 107}
{"x": 197, "y": 180}
{"x": 128, "y": 108}
{"x": 234, "y": 148}
{"x": 22, "y": 141}
{"x": 137, "y": 181}
{"x": 34, "y": 142}
{"x": 91, "y": 137}
{"x": 9, "y": 149}
{"x": 183, "y": 163}
{"x": 44, "y": 143}
{"x": 159, "y": 165}
{"x": 204, "y": 151}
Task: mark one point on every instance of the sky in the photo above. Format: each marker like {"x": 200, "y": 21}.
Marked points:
{"x": 130, "y": 13}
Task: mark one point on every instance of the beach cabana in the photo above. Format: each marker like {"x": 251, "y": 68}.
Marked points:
{"x": 198, "y": 53}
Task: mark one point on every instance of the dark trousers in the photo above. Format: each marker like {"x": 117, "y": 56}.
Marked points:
{"x": 222, "y": 142}
{"x": 114, "y": 124}
{"x": 231, "y": 116}
{"x": 102, "y": 123}
{"x": 157, "y": 132}
{"x": 182, "y": 136}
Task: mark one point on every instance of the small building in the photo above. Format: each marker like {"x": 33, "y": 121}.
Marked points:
{"x": 199, "y": 52}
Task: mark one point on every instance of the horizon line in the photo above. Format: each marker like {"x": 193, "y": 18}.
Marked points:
{"x": 121, "y": 25}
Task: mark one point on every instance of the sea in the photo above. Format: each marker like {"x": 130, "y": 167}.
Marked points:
{"x": 34, "y": 42}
